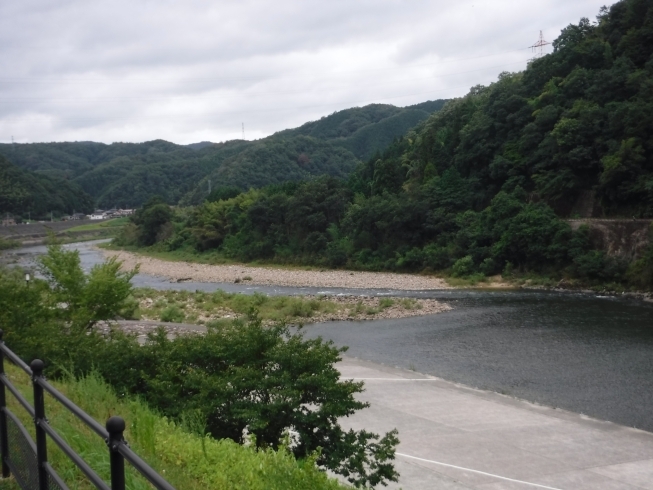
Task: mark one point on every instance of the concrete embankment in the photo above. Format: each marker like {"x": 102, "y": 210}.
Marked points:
{"x": 457, "y": 437}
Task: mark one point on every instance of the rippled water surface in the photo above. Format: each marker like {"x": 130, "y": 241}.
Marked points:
{"x": 585, "y": 354}
{"x": 580, "y": 352}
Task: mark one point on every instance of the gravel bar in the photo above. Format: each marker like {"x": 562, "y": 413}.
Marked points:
{"x": 187, "y": 271}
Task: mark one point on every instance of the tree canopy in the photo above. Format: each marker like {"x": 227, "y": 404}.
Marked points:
{"x": 24, "y": 193}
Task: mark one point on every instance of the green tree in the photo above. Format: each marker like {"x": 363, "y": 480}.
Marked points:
{"x": 81, "y": 300}
{"x": 267, "y": 382}
{"x": 151, "y": 219}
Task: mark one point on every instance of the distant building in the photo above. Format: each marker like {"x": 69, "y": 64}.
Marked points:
{"x": 97, "y": 214}
{"x": 111, "y": 213}
{"x": 7, "y": 221}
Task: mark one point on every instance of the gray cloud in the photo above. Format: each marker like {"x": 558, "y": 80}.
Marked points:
{"x": 192, "y": 70}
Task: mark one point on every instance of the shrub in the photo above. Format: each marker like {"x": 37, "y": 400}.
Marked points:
{"x": 265, "y": 381}
{"x": 463, "y": 267}
{"x": 172, "y": 313}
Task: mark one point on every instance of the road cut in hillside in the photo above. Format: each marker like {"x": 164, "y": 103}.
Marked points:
{"x": 181, "y": 271}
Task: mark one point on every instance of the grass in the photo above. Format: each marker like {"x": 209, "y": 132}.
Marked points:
{"x": 201, "y": 307}
{"x": 101, "y": 225}
{"x": 386, "y": 303}
{"x": 187, "y": 460}
{"x": 6, "y": 244}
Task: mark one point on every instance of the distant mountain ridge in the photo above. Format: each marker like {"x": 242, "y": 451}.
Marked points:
{"x": 200, "y": 145}
{"x": 127, "y": 174}
{"x": 365, "y": 130}
{"x": 24, "y": 193}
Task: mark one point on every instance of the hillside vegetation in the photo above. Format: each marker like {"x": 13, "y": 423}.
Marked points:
{"x": 481, "y": 187}
{"x": 24, "y": 193}
{"x": 128, "y": 174}
{"x": 188, "y": 460}
{"x": 366, "y": 130}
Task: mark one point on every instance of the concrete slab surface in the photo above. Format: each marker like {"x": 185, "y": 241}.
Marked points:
{"x": 454, "y": 437}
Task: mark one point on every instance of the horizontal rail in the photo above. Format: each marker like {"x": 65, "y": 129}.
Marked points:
{"x": 81, "y": 464}
{"x": 53, "y": 474}
{"x": 112, "y": 434}
{"x": 78, "y": 412}
{"x": 15, "y": 359}
{"x": 17, "y": 394}
{"x": 143, "y": 468}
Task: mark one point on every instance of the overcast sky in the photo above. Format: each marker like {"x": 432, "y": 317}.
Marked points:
{"x": 188, "y": 71}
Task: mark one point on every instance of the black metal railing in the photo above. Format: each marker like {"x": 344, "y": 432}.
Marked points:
{"x": 28, "y": 461}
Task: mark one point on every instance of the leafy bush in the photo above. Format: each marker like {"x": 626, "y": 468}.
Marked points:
{"x": 172, "y": 313}
{"x": 463, "y": 266}
{"x": 244, "y": 378}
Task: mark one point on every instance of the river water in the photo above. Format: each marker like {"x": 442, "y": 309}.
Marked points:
{"x": 580, "y": 352}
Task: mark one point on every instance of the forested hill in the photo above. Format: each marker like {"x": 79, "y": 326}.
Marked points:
{"x": 483, "y": 185}
{"x": 127, "y": 174}
{"x": 575, "y": 126}
{"x": 366, "y": 130}
{"x": 24, "y": 193}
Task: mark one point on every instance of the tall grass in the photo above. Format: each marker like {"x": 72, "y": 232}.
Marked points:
{"x": 179, "y": 306}
{"x": 186, "y": 459}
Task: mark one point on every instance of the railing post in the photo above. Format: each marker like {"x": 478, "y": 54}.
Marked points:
{"x": 115, "y": 427}
{"x": 39, "y": 414}
{"x": 4, "y": 439}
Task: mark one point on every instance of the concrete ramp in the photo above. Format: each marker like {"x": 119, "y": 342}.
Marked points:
{"x": 456, "y": 437}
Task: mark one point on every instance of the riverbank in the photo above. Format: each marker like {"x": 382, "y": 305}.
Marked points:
{"x": 188, "y": 271}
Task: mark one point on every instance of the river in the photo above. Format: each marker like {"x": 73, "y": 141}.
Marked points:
{"x": 580, "y": 352}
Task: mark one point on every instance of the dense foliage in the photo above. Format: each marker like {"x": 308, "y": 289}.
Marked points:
{"x": 240, "y": 380}
{"x": 28, "y": 194}
{"x": 127, "y": 175}
{"x": 189, "y": 460}
{"x": 480, "y": 187}
{"x": 276, "y": 160}
{"x": 366, "y": 130}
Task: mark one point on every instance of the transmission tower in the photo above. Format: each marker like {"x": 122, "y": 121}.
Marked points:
{"x": 243, "y": 130}
{"x": 539, "y": 44}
